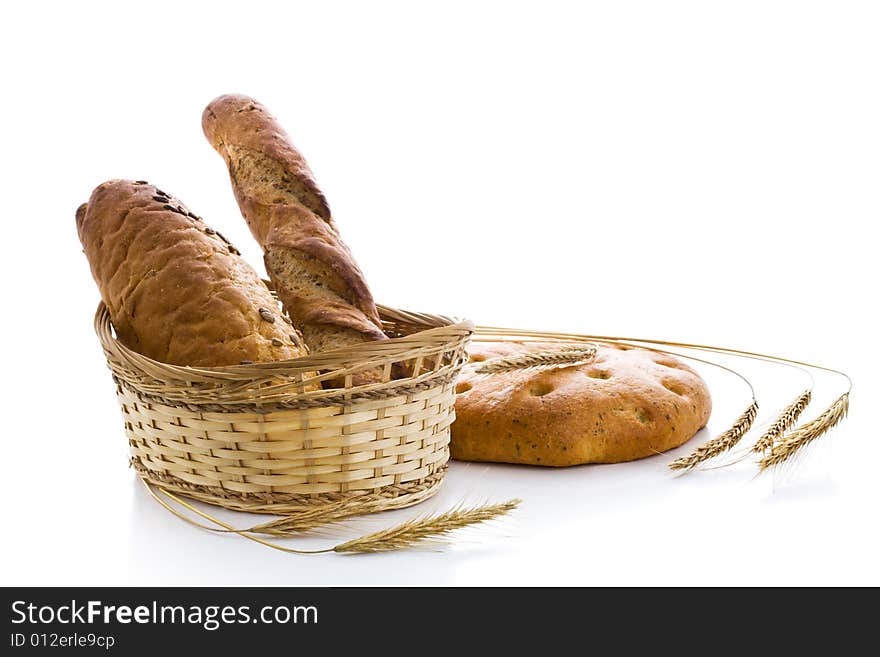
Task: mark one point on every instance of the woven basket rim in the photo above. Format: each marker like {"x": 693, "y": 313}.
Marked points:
{"x": 439, "y": 330}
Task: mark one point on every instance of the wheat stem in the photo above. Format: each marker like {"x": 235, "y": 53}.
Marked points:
{"x": 413, "y": 531}
{"x": 565, "y": 355}
{"x": 720, "y": 444}
{"x": 806, "y": 433}
{"x": 783, "y": 423}
{"x": 525, "y": 333}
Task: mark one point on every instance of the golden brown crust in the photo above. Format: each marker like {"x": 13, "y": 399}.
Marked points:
{"x": 313, "y": 271}
{"x": 624, "y": 404}
{"x": 236, "y": 121}
{"x": 177, "y": 292}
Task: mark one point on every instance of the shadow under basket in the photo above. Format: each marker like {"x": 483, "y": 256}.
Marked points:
{"x": 267, "y": 438}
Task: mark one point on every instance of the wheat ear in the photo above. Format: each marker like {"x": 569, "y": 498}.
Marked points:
{"x": 720, "y": 444}
{"x": 783, "y": 423}
{"x": 308, "y": 519}
{"x": 806, "y": 433}
{"x": 416, "y": 530}
{"x": 567, "y": 355}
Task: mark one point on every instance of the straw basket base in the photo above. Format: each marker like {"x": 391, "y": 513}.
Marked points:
{"x": 397, "y": 496}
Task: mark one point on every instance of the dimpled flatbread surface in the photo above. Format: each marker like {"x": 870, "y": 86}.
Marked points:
{"x": 624, "y": 404}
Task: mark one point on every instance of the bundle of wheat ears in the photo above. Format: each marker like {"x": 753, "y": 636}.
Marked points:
{"x": 783, "y": 439}
{"x": 779, "y": 443}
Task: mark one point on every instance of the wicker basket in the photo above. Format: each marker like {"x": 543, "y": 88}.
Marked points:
{"x": 265, "y": 438}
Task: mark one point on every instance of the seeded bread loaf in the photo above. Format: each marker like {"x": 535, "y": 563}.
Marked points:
{"x": 176, "y": 290}
{"x": 313, "y": 271}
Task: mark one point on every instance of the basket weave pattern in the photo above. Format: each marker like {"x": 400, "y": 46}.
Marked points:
{"x": 268, "y": 438}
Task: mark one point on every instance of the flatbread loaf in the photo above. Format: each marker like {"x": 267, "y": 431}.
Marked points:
{"x": 624, "y": 404}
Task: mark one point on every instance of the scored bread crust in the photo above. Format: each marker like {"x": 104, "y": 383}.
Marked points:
{"x": 313, "y": 271}
{"x": 176, "y": 290}
{"x": 624, "y": 404}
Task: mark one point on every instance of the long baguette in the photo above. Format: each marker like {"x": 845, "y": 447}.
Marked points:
{"x": 315, "y": 275}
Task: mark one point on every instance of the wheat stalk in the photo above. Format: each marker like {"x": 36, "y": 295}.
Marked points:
{"x": 413, "y": 531}
{"x": 783, "y": 423}
{"x": 397, "y": 538}
{"x": 806, "y": 433}
{"x": 566, "y": 355}
{"x": 720, "y": 444}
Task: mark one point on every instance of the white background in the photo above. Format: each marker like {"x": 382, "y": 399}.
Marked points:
{"x": 686, "y": 170}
